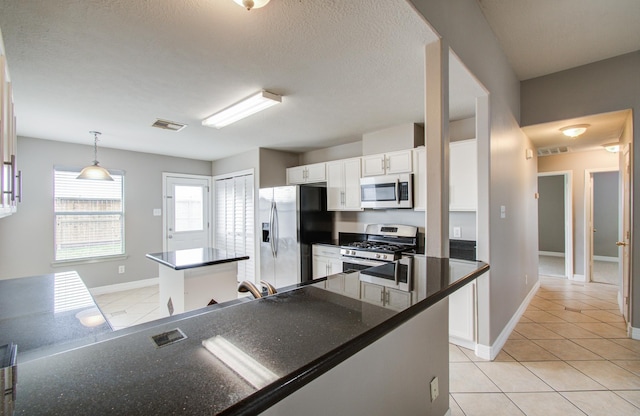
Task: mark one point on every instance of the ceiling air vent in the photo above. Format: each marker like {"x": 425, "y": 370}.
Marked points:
{"x": 168, "y": 125}
{"x": 553, "y": 151}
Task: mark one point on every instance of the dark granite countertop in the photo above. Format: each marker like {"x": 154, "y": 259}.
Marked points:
{"x": 293, "y": 336}
{"x": 196, "y": 257}
{"x": 49, "y": 313}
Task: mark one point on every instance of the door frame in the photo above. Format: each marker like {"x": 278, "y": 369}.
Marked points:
{"x": 165, "y": 219}
{"x": 568, "y": 219}
{"x": 588, "y": 221}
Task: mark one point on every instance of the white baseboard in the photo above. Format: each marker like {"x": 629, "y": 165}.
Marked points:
{"x": 464, "y": 343}
{"x": 119, "y": 287}
{"x": 579, "y": 278}
{"x": 490, "y": 352}
{"x": 634, "y": 333}
{"x": 607, "y": 258}
{"x": 550, "y": 254}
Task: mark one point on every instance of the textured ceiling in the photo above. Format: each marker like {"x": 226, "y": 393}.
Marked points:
{"x": 544, "y": 36}
{"x": 344, "y": 68}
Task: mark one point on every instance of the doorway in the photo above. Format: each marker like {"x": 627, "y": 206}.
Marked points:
{"x": 555, "y": 224}
{"x": 603, "y": 226}
{"x": 187, "y": 211}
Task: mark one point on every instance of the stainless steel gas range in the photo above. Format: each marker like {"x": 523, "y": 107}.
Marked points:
{"x": 383, "y": 245}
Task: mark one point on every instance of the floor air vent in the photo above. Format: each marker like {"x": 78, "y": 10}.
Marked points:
{"x": 168, "y": 125}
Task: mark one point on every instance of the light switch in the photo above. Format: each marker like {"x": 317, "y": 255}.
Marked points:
{"x": 157, "y": 212}
{"x": 457, "y": 232}
{"x": 503, "y": 211}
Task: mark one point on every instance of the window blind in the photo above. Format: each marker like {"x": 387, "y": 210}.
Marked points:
{"x": 234, "y": 224}
{"x": 89, "y": 215}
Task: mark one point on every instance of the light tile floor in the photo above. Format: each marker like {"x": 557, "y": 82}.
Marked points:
{"x": 130, "y": 307}
{"x": 568, "y": 355}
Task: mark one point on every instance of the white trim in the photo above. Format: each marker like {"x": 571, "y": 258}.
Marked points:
{"x": 448, "y": 412}
{"x": 579, "y": 278}
{"x": 607, "y": 258}
{"x": 550, "y": 253}
{"x": 634, "y": 333}
{"x": 119, "y": 287}
{"x": 490, "y": 352}
{"x": 464, "y": 343}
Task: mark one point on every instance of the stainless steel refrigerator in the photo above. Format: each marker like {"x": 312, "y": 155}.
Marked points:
{"x": 292, "y": 218}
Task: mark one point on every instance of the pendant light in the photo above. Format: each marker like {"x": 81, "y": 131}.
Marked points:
{"x": 95, "y": 171}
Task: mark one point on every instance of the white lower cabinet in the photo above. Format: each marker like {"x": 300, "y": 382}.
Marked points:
{"x": 343, "y": 185}
{"x": 462, "y": 316}
{"x": 325, "y": 260}
{"x": 420, "y": 178}
{"x": 347, "y": 284}
{"x": 384, "y": 296}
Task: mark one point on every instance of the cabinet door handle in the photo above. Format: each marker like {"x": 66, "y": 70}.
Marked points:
{"x": 19, "y": 192}
{"x": 388, "y": 163}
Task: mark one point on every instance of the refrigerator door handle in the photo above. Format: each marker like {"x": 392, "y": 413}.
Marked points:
{"x": 276, "y": 229}
{"x": 271, "y": 229}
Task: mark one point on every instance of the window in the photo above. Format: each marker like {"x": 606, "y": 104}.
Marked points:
{"x": 89, "y": 216}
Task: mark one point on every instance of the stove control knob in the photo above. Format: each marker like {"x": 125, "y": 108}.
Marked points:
{"x": 377, "y": 256}
{"x": 384, "y": 256}
{"x": 352, "y": 252}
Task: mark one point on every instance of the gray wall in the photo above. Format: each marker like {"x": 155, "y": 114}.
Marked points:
{"x": 551, "y": 213}
{"x": 26, "y": 238}
{"x": 609, "y": 85}
{"x": 578, "y": 163}
{"x": 606, "y": 203}
{"x": 505, "y": 178}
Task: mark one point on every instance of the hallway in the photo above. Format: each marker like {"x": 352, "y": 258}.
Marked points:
{"x": 568, "y": 355}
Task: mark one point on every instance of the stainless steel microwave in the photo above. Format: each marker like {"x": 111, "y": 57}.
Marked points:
{"x": 388, "y": 191}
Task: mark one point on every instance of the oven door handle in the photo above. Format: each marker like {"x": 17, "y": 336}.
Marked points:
{"x": 398, "y": 191}
{"x": 363, "y": 262}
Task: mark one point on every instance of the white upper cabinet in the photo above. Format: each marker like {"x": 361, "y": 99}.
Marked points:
{"x": 10, "y": 177}
{"x": 463, "y": 175}
{"x": 420, "y": 178}
{"x": 343, "y": 185}
{"x": 307, "y": 174}
{"x": 387, "y": 163}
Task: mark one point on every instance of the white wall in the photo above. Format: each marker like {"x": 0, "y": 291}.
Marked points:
{"x": 26, "y": 238}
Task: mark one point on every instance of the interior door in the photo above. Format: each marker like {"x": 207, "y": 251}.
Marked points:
{"x": 625, "y": 238}
{"x": 187, "y": 212}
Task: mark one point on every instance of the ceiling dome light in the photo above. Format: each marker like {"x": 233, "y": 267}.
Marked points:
{"x": 95, "y": 171}
{"x": 612, "y": 147}
{"x": 252, "y": 4}
{"x": 574, "y": 131}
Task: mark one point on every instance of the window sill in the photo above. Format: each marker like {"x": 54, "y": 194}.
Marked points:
{"x": 64, "y": 263}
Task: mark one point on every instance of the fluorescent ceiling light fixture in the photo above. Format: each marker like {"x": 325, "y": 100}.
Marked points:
{"x": 574, "y": 131}
{"x": 250, "y": 105}
{"x": 612, "y": 147}
{"x": 252, "y": 4}
{"x": 239, "y": 361}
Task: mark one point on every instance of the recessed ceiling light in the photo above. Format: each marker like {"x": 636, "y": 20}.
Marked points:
{"x": 574, "y": 131}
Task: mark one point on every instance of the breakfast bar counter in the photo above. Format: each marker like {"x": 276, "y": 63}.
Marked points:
{"x": 305, "y": 350}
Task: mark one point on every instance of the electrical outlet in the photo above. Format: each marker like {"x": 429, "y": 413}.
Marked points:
{"x": 120, "y": 269}
{"x": 503, "y": 211}
{"x": 435, "y": 391}
{"x": 457, "y": 232}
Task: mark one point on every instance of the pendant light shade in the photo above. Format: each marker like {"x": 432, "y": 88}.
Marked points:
{"x": 251, "y": 4}
{"x": 95, "y": 171}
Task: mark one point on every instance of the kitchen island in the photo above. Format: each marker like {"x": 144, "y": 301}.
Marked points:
{"x": 191, "y": 279}
{"x": 305, "y": 350}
